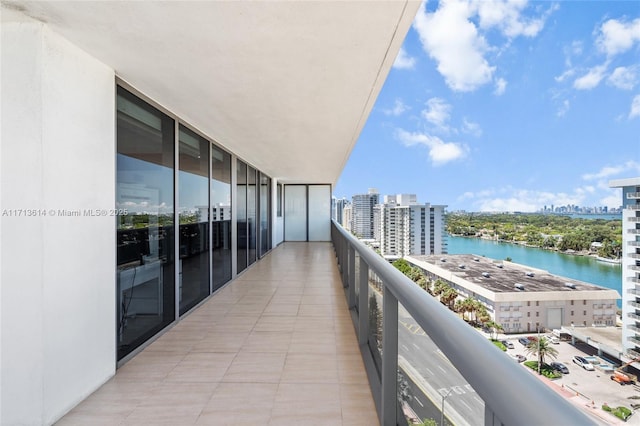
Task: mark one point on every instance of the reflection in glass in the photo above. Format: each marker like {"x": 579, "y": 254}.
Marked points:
{"x": 221, "y": 216}
{"x": 319, "y": 218}
{"x": 252, "y": 195}
{"x": 145, "y": 236}
{"x": 376, "y": 291}
{"x": 265, "y": 214}
{"x": 295, "y": 212}
{"x": 193, "y": 214}
{"x": 241, "y": 215}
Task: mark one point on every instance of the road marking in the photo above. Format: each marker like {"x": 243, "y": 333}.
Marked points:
{"x": 479, "y": 400}
{"x": 443, "y": 391}
{"x": 458, "y": 390}
{"x": 469, "y": 388}
{"x": 429, "y": 371}
{"x": 443, "y": 370}
{"x": 465, "y": 404}
{"x": 416, "y": 346}
{"x": 418, "y": 401}
{"x": 405, "y": 348}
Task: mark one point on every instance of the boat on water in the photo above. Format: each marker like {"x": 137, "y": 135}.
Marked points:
{"x": 608, "y": 260}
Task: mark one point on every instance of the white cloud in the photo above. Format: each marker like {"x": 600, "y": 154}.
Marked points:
{"x": 404, "y": 61}
{"x": 624, "y": 77}
{"x": 592, "y": 78}
{"x": 440, "y": 152}
{"x": 567, "y": 74}
{"x": 471, "y": 128}
{"x": 609, "y": 171}
{"x": 501, "y": 86}
{"x": 635, "y": 107}
{"x": 398, "y": 108}
{"x": 453, "y": 41}
{"x": 438, "y": 112}
{"x": 618, "y": 36}
{"x": 507, "y": 16}
{"x": 564, "y": 108}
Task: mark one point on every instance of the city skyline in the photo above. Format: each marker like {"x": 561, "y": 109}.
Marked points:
{"x": 531, "y": 104}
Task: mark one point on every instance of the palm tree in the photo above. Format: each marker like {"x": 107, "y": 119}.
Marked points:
{"x": 542, "y": 348}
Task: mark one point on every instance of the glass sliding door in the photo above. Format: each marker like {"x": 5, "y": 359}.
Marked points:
{"x": 145, "y": 235}
{"x": 295, "y": 212}
{"x": 193, "y": 217}
{"x": 319, "y": 212}
{"x": 252, "y": 212}
{"x": 221, "y": 216}
{"x": 241, "y": 215}
{"x": 265, "y": 214}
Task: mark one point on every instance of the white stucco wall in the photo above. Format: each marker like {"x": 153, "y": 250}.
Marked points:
{"x": 57, "y": 152}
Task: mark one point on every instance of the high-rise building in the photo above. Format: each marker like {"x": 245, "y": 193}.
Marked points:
{"x": 630, "y": 264}
{"x": 337, "y": 211}
{"x": 409, "y": 228}
{"x": 347, "y": 217}
{"x": 362, "y": 213}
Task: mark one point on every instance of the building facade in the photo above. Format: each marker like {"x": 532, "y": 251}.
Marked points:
{"x": 408, "y": 228}
{"x": 520, "y": 298}
{"x": 362, "y": 213}
{"x": 144, "y": 166}
{"x": 630, "y": 264}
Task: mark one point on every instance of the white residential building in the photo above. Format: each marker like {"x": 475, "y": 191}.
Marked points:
{"x": 347, "y": 217}
{"x": 409, "y": 228}
{"x": 630, "y": 264}
{"x": 362, "y": 223}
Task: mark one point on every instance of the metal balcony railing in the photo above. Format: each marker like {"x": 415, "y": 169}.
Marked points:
{"x": 511, "y": 395}
{"x": 633, "y": 219}
{"x": 633, "y": 231}
{"x": 633, "y": 207}
{"x": 633, "y": 195}
{"x": 634, "y": 316}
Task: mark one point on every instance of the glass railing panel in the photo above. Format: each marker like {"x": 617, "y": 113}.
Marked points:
{"x": 429, "y": 382}
{"x": 375, "y": 319}
{"x": 356, "y": 279}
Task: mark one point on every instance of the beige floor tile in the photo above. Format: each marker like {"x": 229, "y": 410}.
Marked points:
{"x": 256, "y": 367}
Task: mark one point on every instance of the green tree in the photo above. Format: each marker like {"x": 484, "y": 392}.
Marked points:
{"x": 375, "y": 320}
{"x": 543, "y": 349}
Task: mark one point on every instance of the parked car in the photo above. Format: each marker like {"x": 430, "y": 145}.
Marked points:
{"x": 507, "y": 343}
{"x": 583, "y": 363}
{"x": 524, "y": 341}
{"x": 553, "y": 339}
{"x": 558, "y": 366}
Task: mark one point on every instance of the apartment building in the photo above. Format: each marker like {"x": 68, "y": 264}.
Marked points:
{"x": 362, "y": 213}
{"x": 520, "y": 298}
{"x": 408, "y": 228}
{"x": 153, "y": 151}
{"x": 630, "y": 264}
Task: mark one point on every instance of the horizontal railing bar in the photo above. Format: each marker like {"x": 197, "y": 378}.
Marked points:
{"x": 512, "y": 393}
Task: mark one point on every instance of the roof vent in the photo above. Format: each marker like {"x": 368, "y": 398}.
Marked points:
{"x": 519, "y": 286}
{"x": 529, "y": 274}
{"x": 485, "y": 274}
{"x": 499, "y": 265}
{"x": 570, "y": 285}
{"x": 461, "y": 266}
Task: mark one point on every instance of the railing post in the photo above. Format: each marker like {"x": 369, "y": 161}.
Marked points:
{"x": 352, "y": 278}
{"x": 363, "y": 303}
{"x": 389, "y": 357}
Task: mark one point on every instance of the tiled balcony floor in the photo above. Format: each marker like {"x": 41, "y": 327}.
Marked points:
{"x": 275, "y": 347}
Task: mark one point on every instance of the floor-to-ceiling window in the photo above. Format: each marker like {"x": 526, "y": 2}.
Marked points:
{"x": 193, "y": 217}
{"x": 307, "y": 212}
{"x": 145, "y": 234}
{"x": 241, "y": 216}
{"x": 221, "y": 216}
{"x": 252, "y": 213}
{"x": 265, "y": 214}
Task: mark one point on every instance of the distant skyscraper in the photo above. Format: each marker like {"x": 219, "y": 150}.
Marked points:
{"x": 362, "y": 213}
{"x": 630, "y": 264}
{"x": 347, "y": 217}
{"x": 337, "y": 209}
{"x": 409, "y": 228}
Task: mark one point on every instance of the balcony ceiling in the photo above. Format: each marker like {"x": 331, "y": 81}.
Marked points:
{"x": 285, "y": 85}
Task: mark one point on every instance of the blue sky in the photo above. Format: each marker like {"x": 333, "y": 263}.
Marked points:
{"x": 507, "y": 106}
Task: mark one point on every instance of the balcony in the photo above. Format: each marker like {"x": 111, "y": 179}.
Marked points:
{"x": 633, "y": 231}
{"x": 633, "y": 219}
{"x": 633, "y": 196}
{"x": 633, "y": 207}
{"x": 275, "y": 346}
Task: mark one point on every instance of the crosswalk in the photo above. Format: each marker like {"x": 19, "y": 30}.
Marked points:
{"x": 413, "y": 328}
{"x": 459, "y": 390}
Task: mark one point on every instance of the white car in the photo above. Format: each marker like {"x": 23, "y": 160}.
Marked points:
{"x": 583, "y": 363}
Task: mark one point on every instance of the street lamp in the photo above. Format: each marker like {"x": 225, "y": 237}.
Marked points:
{"x": 539, "y": 356}
{"x": 442, "y": 410}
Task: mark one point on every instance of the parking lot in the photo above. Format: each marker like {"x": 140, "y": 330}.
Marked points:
{"x": 587, "y": 388}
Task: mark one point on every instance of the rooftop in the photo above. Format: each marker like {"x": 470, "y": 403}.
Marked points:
{"x": 502, "y": 276}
